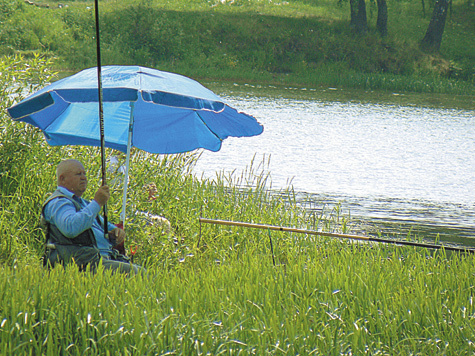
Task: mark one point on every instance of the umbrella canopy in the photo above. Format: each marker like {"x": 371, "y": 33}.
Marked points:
{"x": 155, "y": 111}
{"x": 171, "y": 113}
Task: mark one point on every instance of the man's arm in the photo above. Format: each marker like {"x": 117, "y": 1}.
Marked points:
{"x": 62, "y": 213}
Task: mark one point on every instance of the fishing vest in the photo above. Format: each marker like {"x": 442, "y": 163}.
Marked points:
{"x": 53, "y": 235}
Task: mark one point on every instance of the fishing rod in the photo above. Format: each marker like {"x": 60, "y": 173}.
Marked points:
{"x": 101, "y": 110}
{"x": 336, "y": 235}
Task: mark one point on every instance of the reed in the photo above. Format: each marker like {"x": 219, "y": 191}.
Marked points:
{"x": 328, "y": 298}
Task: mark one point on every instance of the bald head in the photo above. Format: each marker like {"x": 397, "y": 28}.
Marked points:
{"x": 65, "y": 166}
{"x": 71, "y": 175}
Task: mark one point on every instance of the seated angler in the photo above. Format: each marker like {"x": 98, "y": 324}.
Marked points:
{"x": 75, "y": 231}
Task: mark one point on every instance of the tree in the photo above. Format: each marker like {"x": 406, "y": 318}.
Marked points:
{"x": 382, "y": 21}
{"x": 358, "y": 22}
{"x": 433, "y": 37}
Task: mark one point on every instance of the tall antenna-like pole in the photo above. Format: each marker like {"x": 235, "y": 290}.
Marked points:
{"x": 101, "y": 111}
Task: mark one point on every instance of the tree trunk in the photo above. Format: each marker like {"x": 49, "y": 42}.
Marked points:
{"x": 358, "y": 22}
{"x": 433, "y": 38}
{"x": 382, "y": 21}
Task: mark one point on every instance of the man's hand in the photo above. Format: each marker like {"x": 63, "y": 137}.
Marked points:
{"x": 102, "y": 195}
{"x": 117, "y": 235}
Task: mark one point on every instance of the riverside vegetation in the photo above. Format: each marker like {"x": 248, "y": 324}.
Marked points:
{"x": 307, "y": 42}
{"x": 212, "y": 290}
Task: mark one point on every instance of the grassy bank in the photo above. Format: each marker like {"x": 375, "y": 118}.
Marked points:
{"x": 328, "y": 298}
{"x": 212, "y": 289}
{"x": 305, "y": 43}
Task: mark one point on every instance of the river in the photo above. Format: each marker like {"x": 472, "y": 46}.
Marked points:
{"x": 394, "y": 167}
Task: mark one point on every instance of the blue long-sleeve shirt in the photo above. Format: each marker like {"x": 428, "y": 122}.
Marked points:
{"x": 62, "y": 213}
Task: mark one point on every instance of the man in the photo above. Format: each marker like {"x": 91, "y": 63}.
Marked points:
{"x": 75, "y": 231}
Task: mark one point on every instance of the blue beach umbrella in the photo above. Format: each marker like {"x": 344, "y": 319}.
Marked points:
{"x": 155, "y": 111}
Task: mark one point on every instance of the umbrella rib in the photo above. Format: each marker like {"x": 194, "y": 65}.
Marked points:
{"x": 204, "y": 123}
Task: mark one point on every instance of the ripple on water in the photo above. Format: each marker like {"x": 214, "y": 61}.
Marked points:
{"x": 389, "y": 165}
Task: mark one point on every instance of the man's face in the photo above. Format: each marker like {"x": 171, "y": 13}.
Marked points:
{"x": 74, "y": 178}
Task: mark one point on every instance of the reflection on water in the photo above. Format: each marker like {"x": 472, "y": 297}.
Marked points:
{"x": 394, "y": 168}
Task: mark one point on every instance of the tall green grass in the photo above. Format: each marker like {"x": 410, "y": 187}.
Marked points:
{"x": 213, "y": 290}
{"x": 328, "y": 298}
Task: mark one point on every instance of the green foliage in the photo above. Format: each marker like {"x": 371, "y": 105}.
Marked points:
{"x": 17, "y": 34}
{"x": 8, "y": 8}
{"x": 79, "y": 49}
{"x": 18, "y": 78}
{"x": 261, "y": 41}
{"x": 19, "y": 170}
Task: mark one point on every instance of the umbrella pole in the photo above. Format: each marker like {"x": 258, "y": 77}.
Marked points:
{"x": 101, "y": 111}
{"x": 127, "y": 164}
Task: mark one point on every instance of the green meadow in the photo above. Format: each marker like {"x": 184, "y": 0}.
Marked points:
{"x": 299, "y": 42}
{"x": 209, "y": 289}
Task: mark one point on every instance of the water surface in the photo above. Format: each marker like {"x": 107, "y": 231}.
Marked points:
{"x": 394, "y": 166}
